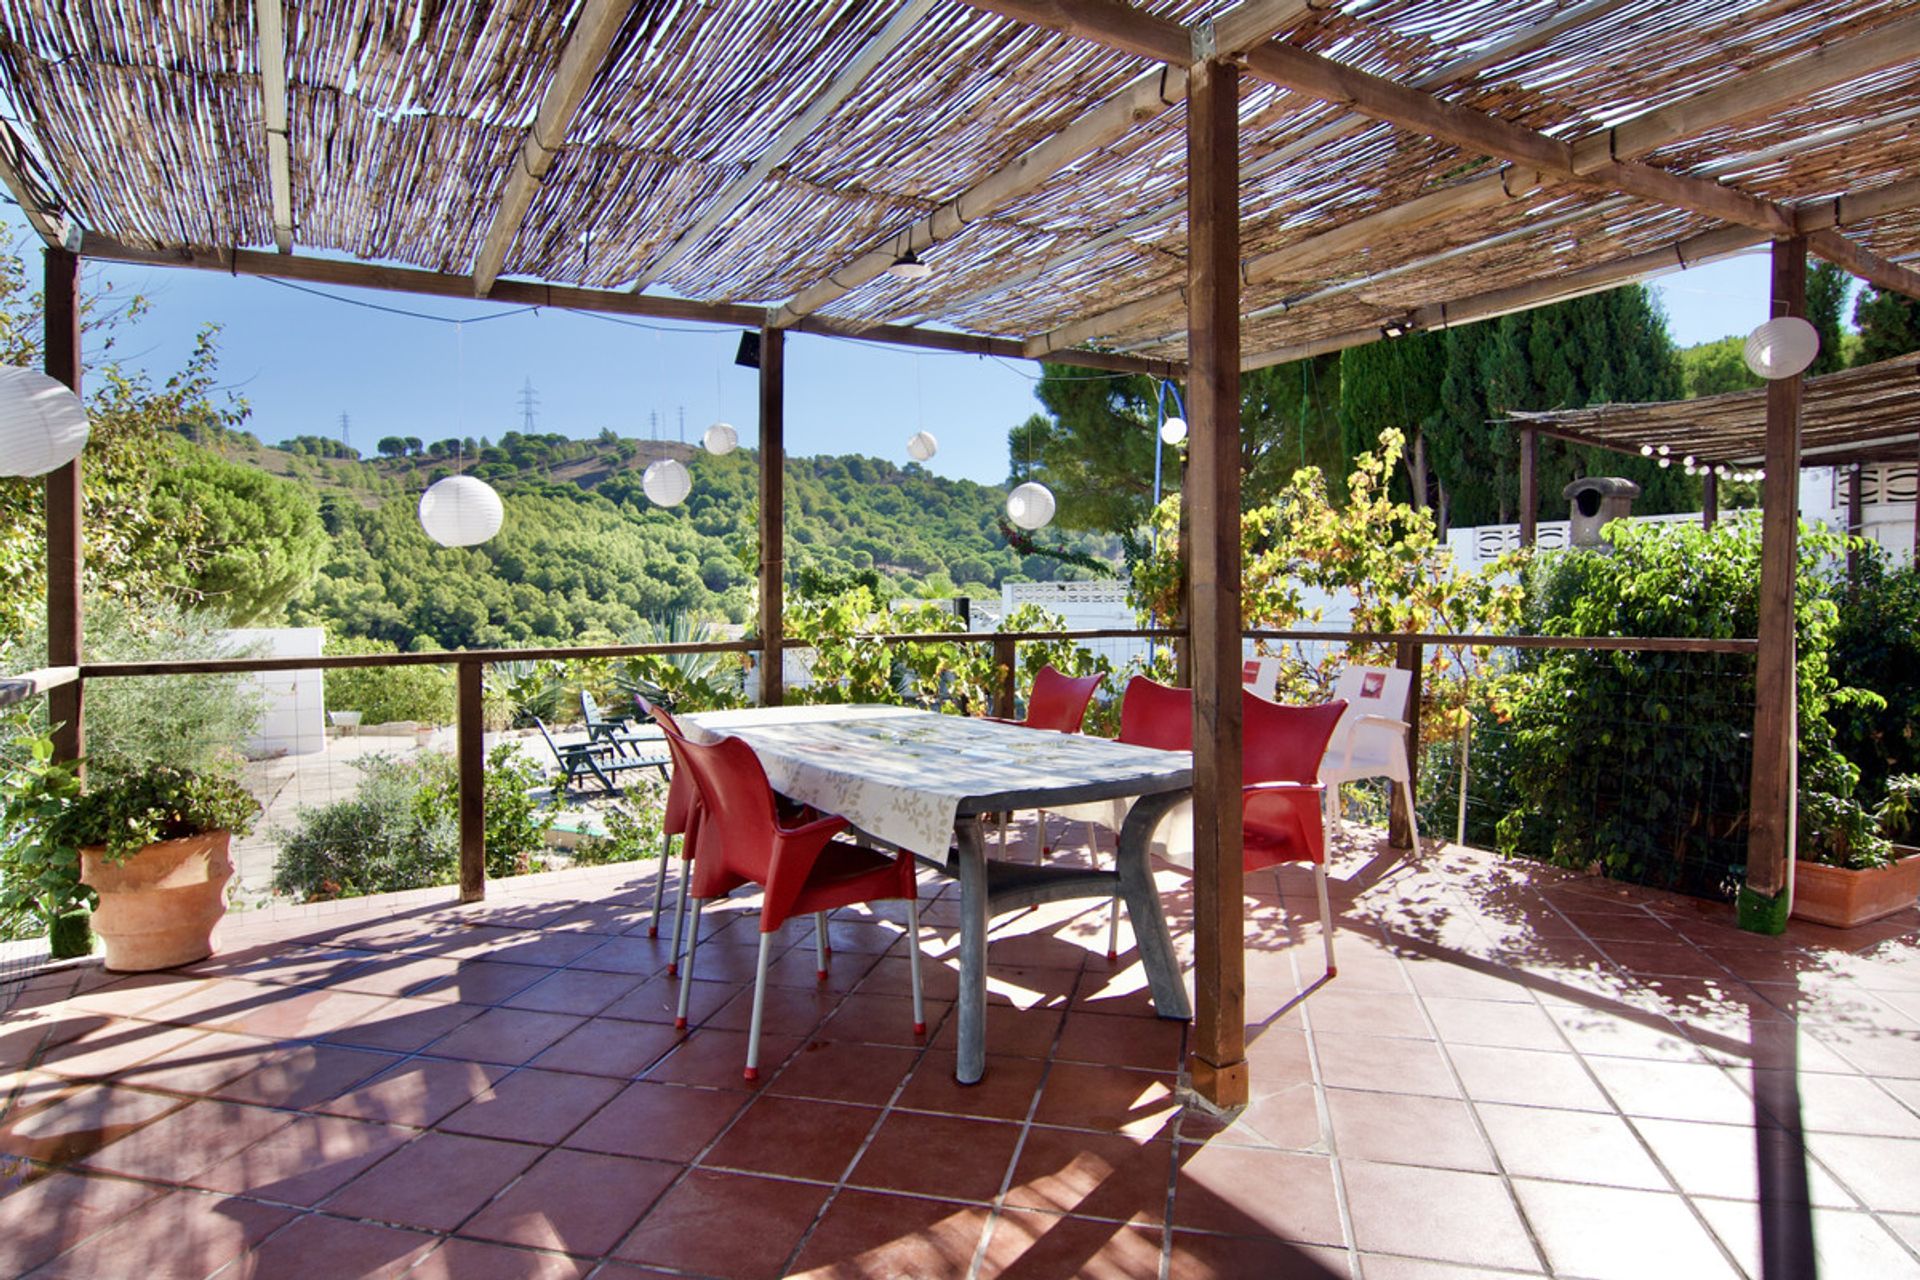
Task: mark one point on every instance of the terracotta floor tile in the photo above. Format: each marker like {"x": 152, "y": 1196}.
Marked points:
{"x": 549, "y": 949}
{"x": 1505, "y": 1023}
{"x": 1433, "y": 978}
{"x": 183, "y": 1235}
{"x": 798, "y": 968}
{"x": 418, "y": 1092}
{"x": 1024, "y": 1244}
{"x": 187, "y": 1142}
{"x": 794, "y": 1138}
{"x": 1407, "y": 1129}
{"x": 1443, "y": 1214}
{"x": 1384, "y": 1063}
{"x": 57, "y": 1212}
{"x": 1115, "y": 991}
{"x": 1723, "y": 1160}
{"x": 1369, "y": 1013}
{"x": 436, "y": 1182}
{"x": 459, "y": 1259}
{"x": 841, "y": 1071}
{"x": 202, "y": 1065}
{"x": 716, "y": 1058}
{"x": 1005, "y": 1092}
{"x": 485, "y": 981}
{"x": 1248, "y": 1191}
{"x": 658, "y": 1121}
{"x": 791, "y": 1011}
{"x": 1624, "y": 1033}
{"x": 316, "y": 1247}
{"x": 1570, "y": 1146}
{"x": 688, "y": 1228}
{"x": 1192, "y": 1256}
{"x": 1154, "y": 1044}
{"x": 1107, "y": 1099}
{"x": 1580, "y": 1230}
{"x": 135, "y": 995}
{"x": 1288, "y": 1119}
{"x": 405, "y": 1024}
{"x": 305, "y": 1075}
{"x": 583, "y": 992}
{"x": 300, "y": 1014}
{"x": 1526, "y": 1077}
{"x": 657, "y": 999}
{"x": 949, "y": 1156}
{"x": 1673, "y": 1090}
{"x": 1025, "y": 1033}
{"x": 508, "y": 1036}
{"x": 870, "y": 1019}
{"x": 532, "y": 1106}
{"x": 574, "y": 1202}
{"x": 418, "y": 977}
{"x": 306, "y": 1161}
{"x": 1381, "y": 1266}
{"x": 1844, "y": 1244}
{"x": 889, "y": 976}
{"x": 114, "y": 1049}
{"x": 636, "y": 954}
{"x": 1883, "y": 1172}
{"x": 610, "y": 1047}
{"x": 867, "y": 1234}
{"x": 66, "y": 1120}
{"x": 1108, "y": 1176}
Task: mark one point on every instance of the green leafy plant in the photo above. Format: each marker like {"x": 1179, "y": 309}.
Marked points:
{"x": 39, "y": 874}
{"x": 516, "y": 827}
{"x": 383, "y": 694}
{"x": 124, "y": 807}
{"x": 632, "y": 834}
{"x": 379, "y": 840}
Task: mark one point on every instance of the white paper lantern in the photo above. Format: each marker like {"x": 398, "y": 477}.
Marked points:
{"x": 1173, "y": 430}
{"x": 921, "y": 446}
{"x": 460, "y": 511}
{"x": 1030, "y": 506}
{"x": 43, "y": 425}
{"x": 667, "y": 482}
{"x": 721, "y": 439}
{"x": 1782, "y": 347}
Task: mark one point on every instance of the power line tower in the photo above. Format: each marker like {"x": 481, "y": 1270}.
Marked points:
{"x": 529, "y": 406}
{"x": 345, "y": 424}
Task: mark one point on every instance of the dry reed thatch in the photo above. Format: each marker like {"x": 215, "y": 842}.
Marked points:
{"x": 405, "y": 122}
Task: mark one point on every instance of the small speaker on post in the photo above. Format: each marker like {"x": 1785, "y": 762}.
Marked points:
{"x": 748, "y": 356}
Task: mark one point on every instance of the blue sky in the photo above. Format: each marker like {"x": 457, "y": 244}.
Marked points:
{"x": 302, "y": 360}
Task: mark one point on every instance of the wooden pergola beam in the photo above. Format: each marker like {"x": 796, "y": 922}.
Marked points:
{"x": 784, "y": 143}
{"x": 1148, "y": 96}
{"x": 585, "y": 53}
{"x": 270, "y": 26}
{"x": 363, "y": 275}
{"x": 47, "y": 225}
{"x": 1865, "y": 263}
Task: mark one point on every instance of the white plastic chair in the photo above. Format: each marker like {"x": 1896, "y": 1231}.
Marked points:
{"x": 1371, "y": 739}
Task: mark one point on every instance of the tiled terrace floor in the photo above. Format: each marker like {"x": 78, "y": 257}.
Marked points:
{"x": 1516, "y": 1071}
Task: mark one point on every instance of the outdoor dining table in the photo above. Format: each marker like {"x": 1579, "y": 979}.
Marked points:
{"x": 922, "y": 782}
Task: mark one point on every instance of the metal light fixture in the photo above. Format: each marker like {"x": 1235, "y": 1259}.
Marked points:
{"x": 921, "y": 446}
{"x": 666, "y": 483}
{"x": 1782, "y": 347}
{"x": 461, "y": 511}
{"x": 43, "y": 425}
{"x": 1393, "y": 329}
{"x": 1030, "y": 505}
{"x": 909, "y": 267}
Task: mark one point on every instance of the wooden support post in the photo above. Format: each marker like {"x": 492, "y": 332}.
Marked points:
{"x": 1767, "y": 895}
{"x": 1217, "y": 1064}
{"x": 1411, "y": 658}
{"x": 65, "y": 546}
{"x": 1006, "y": 692}
{"x": 1710, "y": 501}
{"x": 1856, "y": 477}
{"x": 471, "y": 748}
{"x": 1529, "y": 451}
{"x": 773, "y": 514}
{"x": 1916, "y": 509}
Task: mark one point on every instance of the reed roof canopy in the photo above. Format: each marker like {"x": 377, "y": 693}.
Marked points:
{"x": 1867, "y": 414}
{"x": 1413, "y": 163}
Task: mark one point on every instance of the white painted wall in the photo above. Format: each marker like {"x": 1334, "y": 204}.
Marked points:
{"x": 295, "y": 719}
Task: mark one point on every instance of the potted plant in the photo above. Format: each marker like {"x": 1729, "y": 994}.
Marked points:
{"x": 39, "y": 878}
{"x": 153, "y": 842}
{"x": 1855, "y": 871}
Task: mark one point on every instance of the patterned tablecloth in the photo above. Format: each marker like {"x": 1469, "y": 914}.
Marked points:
{"x": 902, "y": 774}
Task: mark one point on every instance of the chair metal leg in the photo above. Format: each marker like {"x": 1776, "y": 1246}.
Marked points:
{"x": 913, "y": 966}
{"x": 820, "y": 951}
{"x": 660, "y": 885}
{"x": 679, "y": 920}
{"x": 1413, "y": 823}
{"x": 1326, "y": 912}
{"x": 686, "y": 974}
{"x": 1113, "y": 908}
{"x": 759, "y": 1007}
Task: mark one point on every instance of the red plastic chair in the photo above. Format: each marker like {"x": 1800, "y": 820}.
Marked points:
{"x": 1281, "y": 794}
{"x": 1058, "y": 704}
{"x": 1151, "y": 715}
{"x": 680, "y": 819}
{"x": 802, "y": 869}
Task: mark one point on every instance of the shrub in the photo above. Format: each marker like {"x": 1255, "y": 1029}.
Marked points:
{"x": 380, "y": 840}
{"x": 516, "y": 827}
{"x": 633, "y": 834}
{"x": 1876, "y": 647}
{"x": 383, "y": 694}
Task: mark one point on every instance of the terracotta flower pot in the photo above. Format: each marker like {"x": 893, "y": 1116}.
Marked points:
{"x": 158, "y": 909}
{"x": 1842, "y": 898}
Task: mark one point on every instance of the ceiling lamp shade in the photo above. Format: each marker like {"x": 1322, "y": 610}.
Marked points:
{"x": 461, "y": 511}
{"x": 1173, "y": 430}
{"x": 667, "y": 482}
{"x": 1030, "y": 505}
{"x": 1782, "y": 347}
{"x": 43, "y": 425}
{"x": 909, "y": 267}
{"x": 720, "y": 439}
{"x": 921, "y": 446}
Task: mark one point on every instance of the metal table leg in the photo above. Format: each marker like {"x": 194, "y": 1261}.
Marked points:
{"x": 1131, "y": 858}
{"x": 970, "y": 866}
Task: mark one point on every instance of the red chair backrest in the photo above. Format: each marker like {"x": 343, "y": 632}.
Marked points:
{"x": 681, "y": 789}
{"x": 737, "y": 818}
{"x": 1060, "y": 702}
{"x": 1285, "y": 744}
{"x": 1154, "y": 715}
